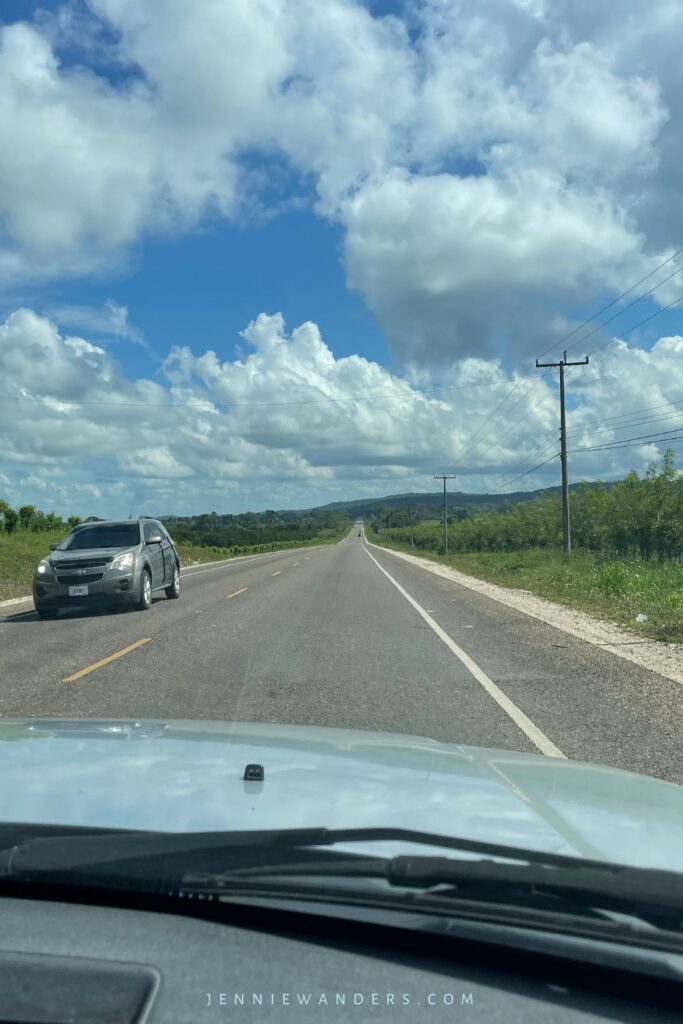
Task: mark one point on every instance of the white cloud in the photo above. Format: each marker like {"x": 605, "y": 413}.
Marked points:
{"x": 276, "y": 428}
{"x": 447, "y": 261}
{"x": 489, "y": 164}
{"x": 110, "y": 319}
{"x": 485, "y": 163}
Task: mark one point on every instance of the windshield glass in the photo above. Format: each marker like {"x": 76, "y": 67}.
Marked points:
{"x": 116, "y": 536}
{"x": 341, "y": 421}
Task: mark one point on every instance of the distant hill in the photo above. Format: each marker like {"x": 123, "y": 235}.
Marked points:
{"x": 367, "y": 507}
{"x": 434, "y": 499}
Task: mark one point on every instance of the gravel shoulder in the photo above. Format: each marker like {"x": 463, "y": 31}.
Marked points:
{"x": 665, "y": 659}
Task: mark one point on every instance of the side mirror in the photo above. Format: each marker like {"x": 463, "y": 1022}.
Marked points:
{"x": 53, "y": 547}
{"x": 155, "y": 539}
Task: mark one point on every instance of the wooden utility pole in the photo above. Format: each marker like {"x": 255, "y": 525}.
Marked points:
{"x": 566, "y": 529}
{"x": 442, "y": 476}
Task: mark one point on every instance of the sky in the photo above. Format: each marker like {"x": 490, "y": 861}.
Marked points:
{"x": 274, "y": 253}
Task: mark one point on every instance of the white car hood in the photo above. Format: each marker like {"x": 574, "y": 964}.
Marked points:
{"x": 188, "y": 776}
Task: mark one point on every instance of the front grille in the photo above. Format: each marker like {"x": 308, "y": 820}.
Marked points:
{"x": 64, "y": 565}
{"x": 91, "y": 577}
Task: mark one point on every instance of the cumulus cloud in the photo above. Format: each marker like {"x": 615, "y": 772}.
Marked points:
{"x": 290, "y": 425}
{"x": 489, "y": 165}
{"x": 486, "y": 162}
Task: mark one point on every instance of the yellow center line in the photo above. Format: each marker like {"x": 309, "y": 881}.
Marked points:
{"x": 276, "y": 573}
{"x": 236, "y": 592}
{"x": 106, "y": 661}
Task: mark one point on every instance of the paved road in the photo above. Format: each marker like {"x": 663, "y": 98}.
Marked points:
{"x": 352, "y": 636}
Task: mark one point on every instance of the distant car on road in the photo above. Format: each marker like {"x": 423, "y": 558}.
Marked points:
{"x": 108, "y": 561}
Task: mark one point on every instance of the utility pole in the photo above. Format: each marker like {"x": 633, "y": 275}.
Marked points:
{"x": 410, "y": 509}
{"x": 566, "y": 529}
{"x": 442, "y": 476}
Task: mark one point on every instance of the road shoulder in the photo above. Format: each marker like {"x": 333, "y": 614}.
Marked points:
{"x": 664, "y": 659}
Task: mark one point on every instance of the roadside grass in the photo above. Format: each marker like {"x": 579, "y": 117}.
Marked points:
{"x": 21, "y": 551}
{"x": 613, "y": 589}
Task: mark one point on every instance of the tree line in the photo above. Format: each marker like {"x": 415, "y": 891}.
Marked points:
{"x": 249, "y": 528}
{"x": 207, "y": 530}
{"x": 28, "y": 517}
{"x": 639, "y": 516}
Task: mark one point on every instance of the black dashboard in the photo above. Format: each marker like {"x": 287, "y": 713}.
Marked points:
{"x": 73, "y": 962}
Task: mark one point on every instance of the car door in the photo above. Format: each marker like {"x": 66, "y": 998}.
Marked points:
{"x": 169, "y": 553}
{"x": 155, "y": 554}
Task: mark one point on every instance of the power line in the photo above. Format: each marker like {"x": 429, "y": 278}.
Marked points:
{"x": 530, "y": 457}
{"x": 636, "y": 412}
{"x": 625, "y": 442}
{"x": 595, "y": 428}
{"x": 613, "y": 303}
{"x": 629, "y": 442}
{"x": 208, "y": 403}
{"x": 482, "y": 437}
{"x": 628, "y": 330}
{"x": 621, "y": 312}
{"x": 527, "y": 472}
{"x": 657, "y": 312}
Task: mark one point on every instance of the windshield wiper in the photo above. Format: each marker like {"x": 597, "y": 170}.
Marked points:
{"x": 56, "y": 847}
{"x": 288, "y": 860}
{"x": 652, "y": 896}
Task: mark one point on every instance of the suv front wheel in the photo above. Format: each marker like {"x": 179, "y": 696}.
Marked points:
{"x": 144, "y": 599}
{"x": 174, "y": 589}
{"x": 47, "y": 612}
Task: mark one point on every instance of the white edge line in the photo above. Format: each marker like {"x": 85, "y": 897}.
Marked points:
{"x": 506, "y": 596}
{"x": 531, "y": 731}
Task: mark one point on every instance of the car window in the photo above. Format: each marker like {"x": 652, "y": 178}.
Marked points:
{"x": 114, "y": 536}
{"x": 150, "y": 530}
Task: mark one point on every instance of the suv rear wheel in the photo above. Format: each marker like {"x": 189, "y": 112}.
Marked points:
{"x": 174, "y": 589}
{"x": 144, "y": 600}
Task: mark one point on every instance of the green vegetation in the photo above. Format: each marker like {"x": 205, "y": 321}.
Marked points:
{"x": 192, "y": 554}
{"x": 628, "y": 549}
{"x": 20, "y": 552}
{"x": 26, "y": 535}
{"x": 256, "y": 529}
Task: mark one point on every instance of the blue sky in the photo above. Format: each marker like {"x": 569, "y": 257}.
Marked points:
{"x": 265, "y": 211}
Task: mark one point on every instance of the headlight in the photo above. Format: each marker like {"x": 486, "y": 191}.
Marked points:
{"x": 43, "y": 567}
{"x": 123, "y": 561}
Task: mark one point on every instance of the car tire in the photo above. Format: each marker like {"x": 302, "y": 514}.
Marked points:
{"x": 144, "y": 598}
{"x": 173, "y": 591}
{"x": 45, "y": 612}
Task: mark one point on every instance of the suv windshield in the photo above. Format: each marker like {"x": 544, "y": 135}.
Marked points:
{"x": 123, "y": 536}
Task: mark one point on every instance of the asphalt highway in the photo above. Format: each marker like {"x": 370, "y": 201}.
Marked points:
{"x": 345, "y": 635}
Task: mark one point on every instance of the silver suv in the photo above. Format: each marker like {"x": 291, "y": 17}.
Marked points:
{"x": 108, "y": 561}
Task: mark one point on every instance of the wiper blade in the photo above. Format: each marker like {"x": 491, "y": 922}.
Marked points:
{"x": 64, "y": 850}
{"x": 222, "y": 861}
{"x": 294, "y": 863}
{"x": 653, "y": 896}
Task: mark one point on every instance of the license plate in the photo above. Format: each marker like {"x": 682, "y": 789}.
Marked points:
{"x": 80, "y": 591}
